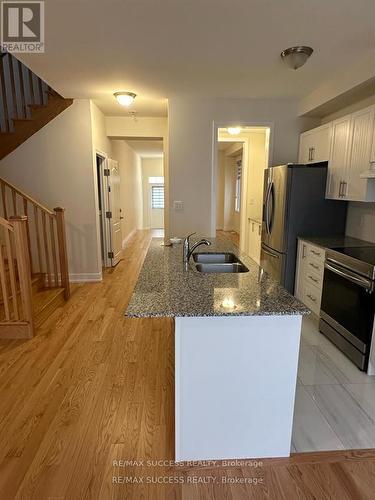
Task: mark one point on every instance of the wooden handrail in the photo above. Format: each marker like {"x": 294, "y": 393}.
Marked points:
{"x": 26, "y": 196}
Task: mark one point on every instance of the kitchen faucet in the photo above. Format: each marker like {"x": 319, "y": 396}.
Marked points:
{"x": 187, "y": 251}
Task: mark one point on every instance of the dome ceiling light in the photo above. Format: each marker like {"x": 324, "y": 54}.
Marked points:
{"x": 234, "y": 130}
{"x": 125, "y": 98}
{"x": 295, "y": 57}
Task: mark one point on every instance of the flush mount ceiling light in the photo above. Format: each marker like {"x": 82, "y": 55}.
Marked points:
{"x": 234, "y": 130}
{"x": 125, "y": 98}
{"x": 295, "y": 57}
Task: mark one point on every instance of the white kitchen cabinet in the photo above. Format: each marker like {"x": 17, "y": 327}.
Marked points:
{"x": 338, "y": 157}
{"x": 309, "y": 275}
{"x": 361, "y": 134}
{"x": 315, "y": 144}
{"x": 372, "y": 158}
{"x": 255, "y": 237}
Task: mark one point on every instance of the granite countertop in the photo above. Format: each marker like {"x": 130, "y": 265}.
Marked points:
{"x": 336, "y": 241}
{"x": 165, "y": 289}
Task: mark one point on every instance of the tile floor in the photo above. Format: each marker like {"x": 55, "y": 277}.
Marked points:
{"x": 335, "y": 402}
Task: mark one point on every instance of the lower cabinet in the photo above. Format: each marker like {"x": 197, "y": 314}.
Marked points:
{"x": 309, "y": 275}
{"x": 254, "y": 239}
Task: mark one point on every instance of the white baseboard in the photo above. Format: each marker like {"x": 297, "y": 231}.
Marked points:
{"x": 85, "y": 277}
{"x": 125, "y": 240}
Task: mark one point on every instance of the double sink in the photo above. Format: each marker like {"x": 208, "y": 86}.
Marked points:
{"x": 222, "y": 262}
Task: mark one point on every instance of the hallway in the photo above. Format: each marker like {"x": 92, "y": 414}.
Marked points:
{"x": 94, "y": 388}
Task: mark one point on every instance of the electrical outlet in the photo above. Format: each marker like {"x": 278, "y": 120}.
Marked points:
{"x": 178, "y": 205}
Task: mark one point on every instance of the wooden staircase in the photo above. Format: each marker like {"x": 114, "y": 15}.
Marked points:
{"x": 34, "y": 274}
{"x": 27, "y": 103}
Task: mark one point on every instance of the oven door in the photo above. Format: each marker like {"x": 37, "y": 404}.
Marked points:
{"x": 348, "y": 306}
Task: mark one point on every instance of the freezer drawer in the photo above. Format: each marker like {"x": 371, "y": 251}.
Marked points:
{"x": 273, "y": 263}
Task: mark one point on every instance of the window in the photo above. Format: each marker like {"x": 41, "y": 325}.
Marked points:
{"x": 156, "y": 180}
{"x": 157, "y": 196}
{"x": 237, "y": 198}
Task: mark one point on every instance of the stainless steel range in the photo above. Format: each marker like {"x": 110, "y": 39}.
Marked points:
{"x": 348, "y": 301}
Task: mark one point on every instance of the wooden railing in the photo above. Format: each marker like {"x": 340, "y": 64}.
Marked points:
{"x": 45, "y": 234}
{"x": 16, "y": 311}
{"x": 20, "y": 89}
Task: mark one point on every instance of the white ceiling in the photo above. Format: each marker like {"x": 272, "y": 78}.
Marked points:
{"x": 147, "y": 148}
{"x": 219, "y": 48}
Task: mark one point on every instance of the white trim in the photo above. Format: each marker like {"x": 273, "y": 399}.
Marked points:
{"x": 85, "y": 277}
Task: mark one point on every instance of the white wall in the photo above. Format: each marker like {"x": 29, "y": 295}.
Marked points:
{"x": 55, "y": 166}
{"x": 191, "y": 149}
{"x": 130, "y": 187}
{"x": 151, "y": 167}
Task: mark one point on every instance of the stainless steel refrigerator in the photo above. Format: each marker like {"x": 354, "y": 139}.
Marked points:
{"x": 294, "y": 205}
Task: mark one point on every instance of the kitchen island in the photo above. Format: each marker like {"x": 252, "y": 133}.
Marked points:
{"x": 236, "y": 353}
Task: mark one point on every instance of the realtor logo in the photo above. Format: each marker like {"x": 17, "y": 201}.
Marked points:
{"x": 22, "y": 26}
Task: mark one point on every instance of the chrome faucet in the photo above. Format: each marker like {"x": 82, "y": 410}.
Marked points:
{"x": 188, "y": 251}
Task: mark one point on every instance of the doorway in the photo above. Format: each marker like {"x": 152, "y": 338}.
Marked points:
{"x": 110, "y": 212}
{"x": 242, "y": 155}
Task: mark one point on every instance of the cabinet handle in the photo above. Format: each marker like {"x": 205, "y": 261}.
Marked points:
{"x": 311, "y": 297}
{"x": 314, "y": 266}
{"x": 315, "y": 253}
{"x": 344, "y": 189}
{"x": 259, "y": 230}
{"x": 340, "y": 189}
{"x": 312, "y": 154}
{"x": 304, "y": 251}
{"x": 309, "y": 154}
{"x": 313, "y": 279}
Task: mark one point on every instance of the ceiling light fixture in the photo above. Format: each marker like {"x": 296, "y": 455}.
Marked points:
{"x": 125, "y": 98}
{"x": 234, "y": 130}
{"x": 295, "y": 57}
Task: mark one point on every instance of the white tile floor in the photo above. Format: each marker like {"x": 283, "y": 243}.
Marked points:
{"x": 335, "y": 402}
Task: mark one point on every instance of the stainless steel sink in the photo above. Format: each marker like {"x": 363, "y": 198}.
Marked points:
{"x": 222, "y": 267}
{"x": 215, "y": 258}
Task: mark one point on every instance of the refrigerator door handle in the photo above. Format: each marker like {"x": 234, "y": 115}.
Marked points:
{"x": 268, "y": 252}
{"x": 271, "y": 213}
{"x": 267, "y": 208}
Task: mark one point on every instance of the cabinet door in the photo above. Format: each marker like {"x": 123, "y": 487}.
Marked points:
{"x": 362, "y": 124}
{"x": 304, "y": 147}
{"x": 299, "y": 288}
{"x": 321, "y": 143}
{"x": 372, "y": 159}
{"x": 338, "y": 157}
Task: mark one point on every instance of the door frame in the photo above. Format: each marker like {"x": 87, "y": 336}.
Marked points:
{"x": 215, "y": 128}
{"x": 105, "y": 227}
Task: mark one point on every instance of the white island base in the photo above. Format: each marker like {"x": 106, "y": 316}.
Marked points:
{"x": 235, "y": 383}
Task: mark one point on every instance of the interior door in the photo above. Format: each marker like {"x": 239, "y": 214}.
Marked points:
{"x": 115, "y": 217}
{"x": 157, "y": 206}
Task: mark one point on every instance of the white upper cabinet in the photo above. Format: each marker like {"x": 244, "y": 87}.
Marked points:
{"x": 338, "y": 157}
{"x": 315, "y": 144}
{"x": 361, "y": 134}
{"x": 351, "y": 155}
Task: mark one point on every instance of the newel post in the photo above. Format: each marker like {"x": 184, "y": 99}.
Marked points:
{"x": 19, "y": 223}
{"x": 63, "y": 253}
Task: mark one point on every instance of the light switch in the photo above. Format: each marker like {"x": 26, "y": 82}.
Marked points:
{"x": 178, "y": 205}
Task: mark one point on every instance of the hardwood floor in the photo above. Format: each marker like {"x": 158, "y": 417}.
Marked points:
{"x": 95, "y": 390}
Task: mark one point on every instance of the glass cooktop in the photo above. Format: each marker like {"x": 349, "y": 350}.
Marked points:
{"x": 364, "y": 254}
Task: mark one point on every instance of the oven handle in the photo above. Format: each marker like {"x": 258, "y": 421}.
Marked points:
{"x": 363, "y": 282}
